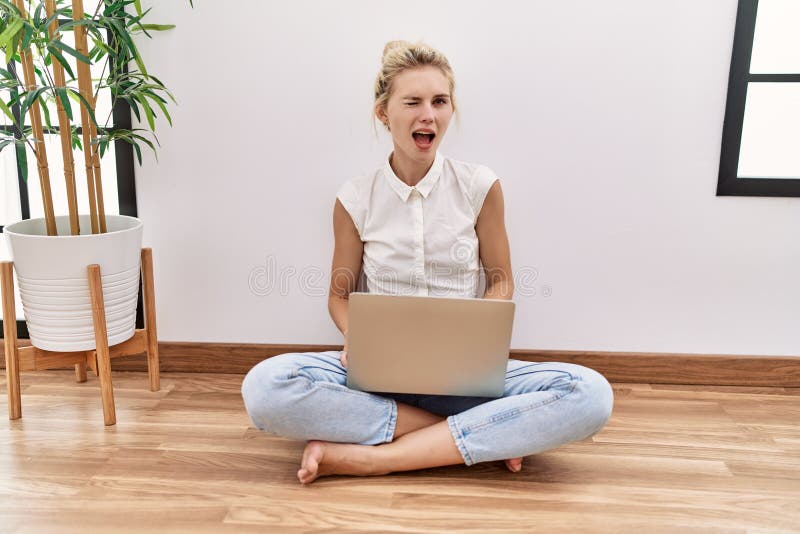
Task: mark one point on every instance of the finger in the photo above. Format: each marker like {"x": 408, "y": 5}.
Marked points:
{"x": 344, "y": 358}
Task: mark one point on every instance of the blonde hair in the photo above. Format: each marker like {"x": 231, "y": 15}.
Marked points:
{"x": 399, "y": 56}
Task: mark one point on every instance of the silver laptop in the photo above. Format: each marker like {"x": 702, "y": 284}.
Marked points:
{"x": 428, "y": 345}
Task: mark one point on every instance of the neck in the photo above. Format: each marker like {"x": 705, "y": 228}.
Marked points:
{"x": 410, "y": 171}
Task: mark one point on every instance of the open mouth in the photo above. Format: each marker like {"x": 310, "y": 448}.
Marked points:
{"x": 423, "y": 140}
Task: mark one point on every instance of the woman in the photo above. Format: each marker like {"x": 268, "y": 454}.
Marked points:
{"x": 419, "y": 225}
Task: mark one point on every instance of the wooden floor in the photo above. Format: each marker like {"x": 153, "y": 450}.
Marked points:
{"x": 186, "y": 459}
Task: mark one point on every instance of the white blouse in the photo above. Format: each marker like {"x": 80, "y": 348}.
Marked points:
{"x": 420, "y": 240}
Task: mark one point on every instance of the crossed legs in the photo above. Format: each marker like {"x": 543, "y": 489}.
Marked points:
{"x": 421, "y": 440}
{"x": 303, "y": 396}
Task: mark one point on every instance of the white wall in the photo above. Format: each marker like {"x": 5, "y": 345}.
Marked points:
{"x": 603, "y": 120}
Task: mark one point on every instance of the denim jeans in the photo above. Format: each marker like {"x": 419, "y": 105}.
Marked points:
{"x": 303, "y": 396}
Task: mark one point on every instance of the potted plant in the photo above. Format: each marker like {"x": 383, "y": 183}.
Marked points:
{"x": 53, "y": 44}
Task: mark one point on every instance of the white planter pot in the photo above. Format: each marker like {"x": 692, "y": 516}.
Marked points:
{"x": 53, "y": 283}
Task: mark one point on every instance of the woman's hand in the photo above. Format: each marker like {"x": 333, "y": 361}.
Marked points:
{"x": 343, "y": 357}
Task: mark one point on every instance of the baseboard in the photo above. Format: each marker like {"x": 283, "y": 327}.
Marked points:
{"x": 643, "y": 367}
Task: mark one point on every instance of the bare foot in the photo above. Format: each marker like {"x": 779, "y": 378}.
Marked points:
{"x": 514, "y": 464}
{"x": 322, "y": 458}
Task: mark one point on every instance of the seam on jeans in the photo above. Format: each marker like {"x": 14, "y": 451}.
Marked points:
{"x": 392, "y": 423}
{"x": 525, "y": 366}
{"x": 571, "y": 376}
{"x": 323, "y": 368}
{"x": 498, "y": 418}
{"x": 458, "y": 437}
{"x": 376, "y": 399}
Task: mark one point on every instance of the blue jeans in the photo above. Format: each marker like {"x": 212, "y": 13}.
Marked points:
{"x": 303, "y": 396}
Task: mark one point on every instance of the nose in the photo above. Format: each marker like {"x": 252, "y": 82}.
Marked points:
{"x": 427, "y": 113}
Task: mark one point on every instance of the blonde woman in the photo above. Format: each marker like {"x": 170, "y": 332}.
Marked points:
{"x": 422, "y": 224}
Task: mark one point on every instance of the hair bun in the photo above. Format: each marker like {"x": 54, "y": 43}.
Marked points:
{"x": 391, "y": 45}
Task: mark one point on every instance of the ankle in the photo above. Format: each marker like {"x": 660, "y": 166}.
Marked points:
{"x": 358, "y": 459}
{"x": 383, "y": 458}
{"x": 369, "y": 462}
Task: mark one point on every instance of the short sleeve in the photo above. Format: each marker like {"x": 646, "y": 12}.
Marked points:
{"x": 350, "y": 198}
{"x": 482, "y": 181}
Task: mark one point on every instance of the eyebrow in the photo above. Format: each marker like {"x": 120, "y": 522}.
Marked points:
{"x": 410, "y": 97}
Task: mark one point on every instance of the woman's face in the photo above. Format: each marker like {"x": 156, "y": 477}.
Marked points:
{"x": 420, "y": 101}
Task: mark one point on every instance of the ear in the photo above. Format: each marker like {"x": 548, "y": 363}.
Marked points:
{"x": 381, "y": 114}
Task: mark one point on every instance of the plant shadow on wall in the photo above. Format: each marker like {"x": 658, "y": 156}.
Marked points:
{"x": 50, "y": 47}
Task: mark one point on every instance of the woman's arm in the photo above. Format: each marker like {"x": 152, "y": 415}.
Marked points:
{"x": 346, "y": 268}
{"x": 495, "y": 251}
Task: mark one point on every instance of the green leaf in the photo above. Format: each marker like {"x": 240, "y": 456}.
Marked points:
{"x": 71, "y": 51}
{"x": 100, "y": 45}
{"x": 7, "y": 38}
{"x": 15, "y": 40}
{"x": 164, "y": 109}
{"x": 157, "y": 27}
{"x": 84, "y": 103}
{"x": 27, "y": 35}
{"x": 148, "y": 112}
{"x": 22, "y": 160}
{"x": 30, "y": 98}
{"x": 43, "y": 82}
{"x": 62, "y": 95}
{"x": 76, "y": 139}
{"x": 46, "y": 112}
{"x": 146, "y": 141}
{"x": 69, "y": 26}
{"x": 138, "y": 153}
{"x": 12, "y": 29}
{"x": 138, "y": 5}
{"x": 38, "y": 13}
{"x": 16, "y": 98}
{"x": 10, "y": 7}
{"x": 123, "y": 34}
{"x": 61, "y": 59}
{"x": 135, "y": 109}
{"x": 49, "y": 20}
{"x": 7, "y": 111}
{"x": 5, "y": 142}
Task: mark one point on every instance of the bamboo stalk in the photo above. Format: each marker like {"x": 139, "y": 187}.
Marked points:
{"x": 65, "y": 133}
{"x": 38, "y": 133}
{"x": 95, "y": 153}
{"x": 85, "y": 88}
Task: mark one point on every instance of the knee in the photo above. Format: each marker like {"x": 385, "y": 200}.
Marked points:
{"x": 597, "y": 400}
{"x": 264, "y": 390}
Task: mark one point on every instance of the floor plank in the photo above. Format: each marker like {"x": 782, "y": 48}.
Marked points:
{"x": 186, "y": 459}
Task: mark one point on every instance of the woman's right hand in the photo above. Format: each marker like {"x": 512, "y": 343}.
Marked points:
{"x": 343, "y": 357}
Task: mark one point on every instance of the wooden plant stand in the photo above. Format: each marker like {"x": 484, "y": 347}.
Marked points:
{"x": 98, "y": 359}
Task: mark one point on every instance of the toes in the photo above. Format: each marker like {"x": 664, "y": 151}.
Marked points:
{"x": 309, "y": 465}
{"x": 305, "y": 476}
{"x": 514, "y": 464}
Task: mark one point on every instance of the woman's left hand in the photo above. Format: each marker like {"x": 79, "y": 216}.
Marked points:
{"x": 343, "y": 357}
